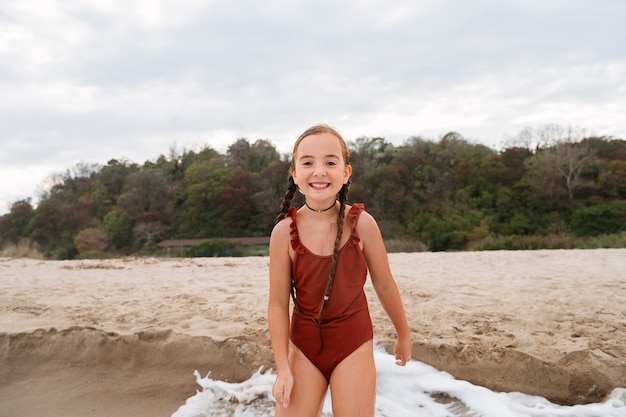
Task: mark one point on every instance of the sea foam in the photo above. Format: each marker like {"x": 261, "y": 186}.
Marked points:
{"x": 416, "y": 390}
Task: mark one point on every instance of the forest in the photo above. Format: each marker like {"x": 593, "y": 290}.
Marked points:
{"x": 549, "y": 187}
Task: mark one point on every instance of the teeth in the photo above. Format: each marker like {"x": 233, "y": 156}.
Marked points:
{"x": 319, "y": 185}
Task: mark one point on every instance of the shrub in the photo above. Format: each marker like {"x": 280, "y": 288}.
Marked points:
{"x": 599, "y": 219}
{"x": 22, "y": 249}
{"x": 92, "y": 242}
{"x": 558, "y": 241}
{"x": 403, "y": 245}
{"x": 214, "y": 247}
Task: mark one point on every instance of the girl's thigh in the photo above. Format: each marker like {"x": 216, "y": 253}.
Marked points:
{"x": 309, "y": 387}
{"x": 353, "y": 384}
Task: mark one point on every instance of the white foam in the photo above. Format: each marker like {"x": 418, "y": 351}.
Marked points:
{"x": 416, "y": 390}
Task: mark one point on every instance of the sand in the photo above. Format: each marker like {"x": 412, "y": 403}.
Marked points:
{"x": 123, "y": 337}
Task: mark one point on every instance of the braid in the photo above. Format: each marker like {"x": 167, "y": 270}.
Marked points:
{"x": 343, "y": 197}
{"x": 286, "y": 201}
{"x": 284, "y": 209}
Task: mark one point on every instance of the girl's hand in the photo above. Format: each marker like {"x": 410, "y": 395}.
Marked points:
{"x": 402, "y": 350}
{"x": 282, "y": 388}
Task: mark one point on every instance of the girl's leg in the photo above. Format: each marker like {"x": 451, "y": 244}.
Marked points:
{"x": 309, "y": 387}
{"x": 353, "y": 384}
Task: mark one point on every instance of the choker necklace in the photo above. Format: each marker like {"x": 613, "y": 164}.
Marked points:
{"x": 320, "y": 210}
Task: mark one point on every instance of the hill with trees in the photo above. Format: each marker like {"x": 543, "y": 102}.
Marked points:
{"x": 550, "y": 188}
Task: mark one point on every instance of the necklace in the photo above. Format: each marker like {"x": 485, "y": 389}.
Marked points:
{"x": 320, "y": 210}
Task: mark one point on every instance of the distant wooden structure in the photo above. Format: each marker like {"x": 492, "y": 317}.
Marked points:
{"x": 186, "y": 243}
{"x": 251, "y": 245}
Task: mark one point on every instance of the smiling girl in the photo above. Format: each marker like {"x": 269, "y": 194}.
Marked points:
{"x": 320, "y": 255}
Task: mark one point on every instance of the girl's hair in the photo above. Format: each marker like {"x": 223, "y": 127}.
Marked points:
{"x": 342, "y": 197}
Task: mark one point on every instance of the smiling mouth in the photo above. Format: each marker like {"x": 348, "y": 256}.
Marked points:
{"x": 319, "y": 186}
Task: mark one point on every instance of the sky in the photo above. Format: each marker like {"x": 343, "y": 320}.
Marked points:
{"x": 84, "y": 82}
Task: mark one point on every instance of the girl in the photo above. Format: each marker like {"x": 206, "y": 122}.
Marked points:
{"x": 320, "y": 255}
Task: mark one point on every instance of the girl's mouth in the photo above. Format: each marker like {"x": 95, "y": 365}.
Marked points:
{"x": 319, "y": 186}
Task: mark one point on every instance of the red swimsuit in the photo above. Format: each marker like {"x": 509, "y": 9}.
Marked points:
{"x": 346, "y": 323}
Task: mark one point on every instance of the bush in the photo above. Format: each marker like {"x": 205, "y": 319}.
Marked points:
{"x": 453, "y": 231}
{"x": 62, "y": 249}
{"x": 92, "y": 243}
{"x": 403, "y": 245}
{"x": 23, "y": 249}
{"x": 599, "y": 219}
{"x": 214, "y": 247}
{"x": 558, "y": 241}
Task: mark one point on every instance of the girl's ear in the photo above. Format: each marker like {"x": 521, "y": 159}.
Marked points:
{"x": 295, "y": 182}
{"x": 346, "y": 173}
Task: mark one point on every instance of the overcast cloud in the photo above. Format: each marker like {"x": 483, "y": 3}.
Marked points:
{"x": 89, "y": 81}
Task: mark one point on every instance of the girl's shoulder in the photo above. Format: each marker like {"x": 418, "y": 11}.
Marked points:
{"x": 365, "y": 223}
{"x": 282, "y": 228}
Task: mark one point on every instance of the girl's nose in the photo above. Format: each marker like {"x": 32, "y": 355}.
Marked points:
{"x": 319, "y": 169}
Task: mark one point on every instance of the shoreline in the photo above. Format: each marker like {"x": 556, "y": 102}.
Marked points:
{"x": 546, "y": 323}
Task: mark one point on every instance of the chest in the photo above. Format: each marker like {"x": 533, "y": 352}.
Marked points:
{"x": 320, "y": 238}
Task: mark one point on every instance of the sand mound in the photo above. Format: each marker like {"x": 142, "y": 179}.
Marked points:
{"x": 105, "y": 373}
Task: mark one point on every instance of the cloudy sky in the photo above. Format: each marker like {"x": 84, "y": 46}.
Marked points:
{"x": 92, "y": 80}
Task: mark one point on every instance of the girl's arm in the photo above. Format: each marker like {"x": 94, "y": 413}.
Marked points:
{"x": 278, "y": 309}
{"x": 384, "y": 283}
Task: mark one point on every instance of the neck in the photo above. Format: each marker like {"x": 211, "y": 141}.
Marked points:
{"x": 319, "y": 210}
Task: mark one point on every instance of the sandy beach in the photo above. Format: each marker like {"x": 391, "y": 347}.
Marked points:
{"x": 123, "y": 337}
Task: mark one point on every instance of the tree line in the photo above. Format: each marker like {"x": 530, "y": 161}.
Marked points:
{"x": 448, "y": 194}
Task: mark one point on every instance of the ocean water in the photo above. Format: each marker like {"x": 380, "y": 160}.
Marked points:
{"x": 416, "y": 390}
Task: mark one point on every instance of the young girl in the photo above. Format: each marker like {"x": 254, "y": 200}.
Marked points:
{"x": 320, "y": 255}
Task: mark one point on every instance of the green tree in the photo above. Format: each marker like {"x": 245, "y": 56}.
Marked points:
{"x": 611, "y": 181}
{"x": 114, "y": 174}
{"x": 202, "y": 210}
{"x": 272, "y": 185}
{"x": 53, "y": 229}
{"x": 235, "y": 204}
{"x": 14, "y": 225}
{"x": 119, "y": 225}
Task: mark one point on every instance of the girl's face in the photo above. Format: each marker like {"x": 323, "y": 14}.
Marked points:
{"x": 320, "y": 169}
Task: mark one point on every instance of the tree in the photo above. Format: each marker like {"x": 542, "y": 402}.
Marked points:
{"x": 252, "y": 157}
{"x": 119, "y": 225}
{"x": 239, "y": 153}
{"x": 146, "y": 191}
{"x": 201, "y": 210}
{"x": 14, "y": 225}
{"x": 612, "y": 179}
{"x": 235, "y": 204}
{"x": 114, "y": 174}
{"x": 53, "y": 229}
{"x": 560, "y": 160}
{"x": 92, "y": 242}
{"x": 271, "y": 187}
